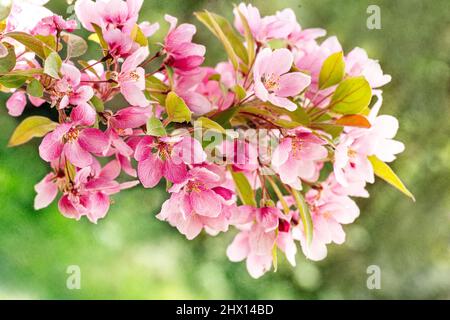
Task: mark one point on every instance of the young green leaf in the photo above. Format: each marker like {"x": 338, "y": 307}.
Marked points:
{"x": 30, "y": 42}
{"x": 13, "y": 81}
{"x": 332, "y": 71}
{"x": 99, "y": 37}
{"x": 8, "y": 62}
{"x": 243, "y": 188}
{"x": 249, "y": 40}
{"x": 223, "y": 118}
{"x": 5, "y": 9}
{"x": 207, "y": 123}
{"x": 385, "y": 172}
{"x": 52, "y": 65}
{"x": 35, "y": 89}
{"x": 97, "y": 103}
{"x": 222, "y": 29}
{"x": 138, "y": 36}
{"x": 155, "y": 127}
{"x": 239, "y": 91}
{"x": 177, "y": 109}
{"x": 31, "y": 127}
{"x": 305, "y": 215}
{"x": 351, "y": 96}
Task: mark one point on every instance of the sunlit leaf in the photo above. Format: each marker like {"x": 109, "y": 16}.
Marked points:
{"x": 385, "y": 172}
{"x": 332, "y": 71}
{"x": 155, "y": 127}
{"x": 12, "y": 81}
{"x": 30, "y": 42}
{"x": 31, "y": 127}
{"x": 305, "y": 215}
{"x": 76, "y": 45}
{"x": 352, "y": 96}
{"x": 138, "y": 36}
{"x": 176, "y": 108}
{"x": 207, "y": 123}
{"x": 243, "y": 188}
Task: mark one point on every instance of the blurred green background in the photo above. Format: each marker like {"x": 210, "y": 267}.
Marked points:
{"x": 131, "y": 254}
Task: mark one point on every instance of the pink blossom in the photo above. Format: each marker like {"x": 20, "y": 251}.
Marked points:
{"x": 357, "y": 63}
{"x": 196, "y": 203}
{"x": 329, "y": 211}
{"x": 88, "y": 195}
{"x": 16, "y": 103}
{"x": 166, "y": 157}
{"x": 274, "y": 82}
{"x": 73, "y": 140}
{"x": 183, "y": 54}
{"x": 68, "y": 89}
{"x": 25, "y": 15}
{"x": 53, "y": 25}
{"x": 131, "y": 78}
{"x": 188, "y": 88}
{"x": 256, "y": 241}
{"x": 108, "y": 14}
{"x": 296, "y": 156}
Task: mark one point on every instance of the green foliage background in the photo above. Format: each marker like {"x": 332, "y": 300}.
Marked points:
{"x": 131, "y": 254}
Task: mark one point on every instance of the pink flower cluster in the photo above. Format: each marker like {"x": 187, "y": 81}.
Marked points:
{"x": 133, "y": 117}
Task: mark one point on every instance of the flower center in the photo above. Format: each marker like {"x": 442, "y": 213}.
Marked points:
{"x": 271, "y": 82}
{"x": 196, "y": 186}
{"x": 296, "y": 146}
{"x": 72, "y": 135}
{"x": 165, "y": 150}
{"x": 351, "y": 153}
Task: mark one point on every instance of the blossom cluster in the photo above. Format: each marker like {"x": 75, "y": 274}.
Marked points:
{"x": 275, "y": 142}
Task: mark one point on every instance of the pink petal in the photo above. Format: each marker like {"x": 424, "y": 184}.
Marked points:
{"x": 83, "y": 115}
{"x": 77, "y": 155}
{"x": 206, "y": 203}
{"x": 282, "y": 102}
{"x": 67, "y": 209}
{"x": 143, "y": 148}
{"x": 99, "y": 206}
{"x": 46, "y": 192}
{"x": 239, "y": 249}
{"x": 150, "y": 171}
{"x": 291, "y": 84}
{"x": 93, "y": 140}
{"x": 258, "y": 265}
{"x": 280, "y": 62}
{"x": 16, "y": 103}
{"x": 131, "y": 117}
{"x": 175, "y": 172}
{"x": 51, "y": 146}
{"x": 133, "y": 94}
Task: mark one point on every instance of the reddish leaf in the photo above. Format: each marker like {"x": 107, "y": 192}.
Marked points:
{"x": 353, "y": 120}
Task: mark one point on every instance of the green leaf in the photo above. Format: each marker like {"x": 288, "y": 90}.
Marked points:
{"x": 239, "y": 91}
{"x": 31, "y": 43}
{"x": 152, "y": 83}
{"x": 177, "y": 109}
{"x": 223, "y": 118}
{"x": 8, "y": 62}
{"x": 98, "y": 37}
{"x": 352, "y": 96}
{"x": 13, "y": 81}
{"x": 138, "y": 36}
{"x": 385, "y": 172}
{"x": 31, "y": 127}
{"x": 76, "y": 45}
{"x": 207, "y": 123}
{"x": 332, "y": 71}
{"x": 250, "y": 41}
{"x": 97, "y": 103}
{"x": 243, "y": 188}
{"x": 305, "y": 215}
{"x": 35, "y": 88}
{"x": 52, "y": 65}
{"x": 155, "y": 127}
{"x": 222, "y": 29}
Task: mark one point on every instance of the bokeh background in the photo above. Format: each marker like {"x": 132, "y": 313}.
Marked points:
{"x": 131, "y": 254}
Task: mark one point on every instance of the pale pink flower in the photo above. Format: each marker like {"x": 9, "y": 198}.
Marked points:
{"x": 274, "y": 82}
{"x": 198, "y": 203}
{"x": 73, "y": 140}
{"x": 296, "y": 156}
{"x": 108, "y": 13}
{"x": 68, "y": 88}
{"x": 26, "y": 14}
{"x": 166, "y": 157}
{"x": 183, "y": 54}
{"x": 357, "y": 63}
{"x": 131, "y": 78}
{"x": 89, "y": 193}
{"x": 188, "y": 87}
{"x": 53, "y": 25}
{"x": 16, "y": 103}
{"x": 262, "y": 230}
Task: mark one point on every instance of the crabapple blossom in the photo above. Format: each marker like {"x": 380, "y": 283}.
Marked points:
{"x": 283, "y": 164}
{"x": 274, "y": 82}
